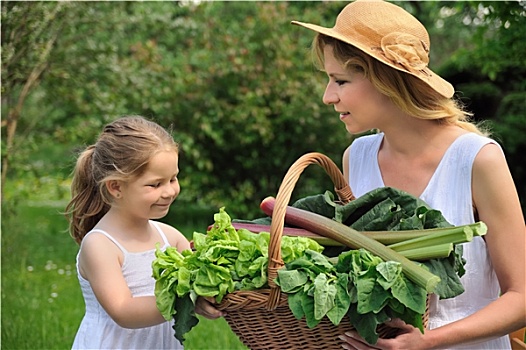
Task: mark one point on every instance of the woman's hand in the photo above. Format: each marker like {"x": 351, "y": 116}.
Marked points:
{"x": 205, "y": 307}
{"x": 410, "y": 338}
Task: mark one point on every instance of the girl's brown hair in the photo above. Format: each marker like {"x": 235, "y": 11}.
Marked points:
{"x": 122, "y": 152}
{"x": 409, "y": 93}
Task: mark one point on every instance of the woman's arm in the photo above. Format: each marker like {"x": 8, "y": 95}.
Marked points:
{"x": 345, "y": 163}
{"x": 497, "y": 205}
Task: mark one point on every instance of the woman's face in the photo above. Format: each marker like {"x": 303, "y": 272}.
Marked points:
{"x": 360, "y": 105}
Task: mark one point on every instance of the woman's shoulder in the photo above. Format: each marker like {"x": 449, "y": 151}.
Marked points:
{"x": 485, "y": 151}
{"x": 471, "y": 137}
{"x": 489, "y": 157}
{"x": 364, "y": 141}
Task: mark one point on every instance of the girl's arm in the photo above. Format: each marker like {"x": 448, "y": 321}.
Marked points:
{"x": 100, "y": 263}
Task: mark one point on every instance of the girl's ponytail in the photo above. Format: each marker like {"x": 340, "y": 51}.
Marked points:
{"x": 86, "y": 207}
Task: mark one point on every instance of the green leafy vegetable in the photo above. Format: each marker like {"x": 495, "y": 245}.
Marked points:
{"x": 354, "y": 239}
{"x": 388, "y": 209}
{"x": 359, "y": 285}
{"x": 224, "y": 260}
{"x": 350, "y": 286}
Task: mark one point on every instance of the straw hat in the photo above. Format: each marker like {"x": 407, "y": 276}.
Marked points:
{"x": 389, "y": 34}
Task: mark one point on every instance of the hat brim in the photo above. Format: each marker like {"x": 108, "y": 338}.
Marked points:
{"x": 437, "y": 83}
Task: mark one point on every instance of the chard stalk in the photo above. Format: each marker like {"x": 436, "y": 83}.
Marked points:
{"x": 353, "y": 239}
{"x": 455, "y": 235}
{"x": 426, "y": 253}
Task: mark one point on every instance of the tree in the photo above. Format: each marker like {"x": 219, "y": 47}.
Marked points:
{"x": 72, "y": 66}
{"x": 235, "y": 82}
{"x": 29, "y": 34}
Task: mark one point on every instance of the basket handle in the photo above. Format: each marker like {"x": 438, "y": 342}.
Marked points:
{"x": 342, "y": 189}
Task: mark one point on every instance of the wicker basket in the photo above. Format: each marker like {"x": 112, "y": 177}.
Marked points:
{"x": 262, "y": 318}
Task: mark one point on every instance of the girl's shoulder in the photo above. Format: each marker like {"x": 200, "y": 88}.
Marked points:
{"x": 98, "y": 239}
{"x": 99, "y": 252}
{"x": 175, "y": 237}
{"x": 166, "y": 228}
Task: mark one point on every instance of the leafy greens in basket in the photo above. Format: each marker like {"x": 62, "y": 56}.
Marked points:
{"x": 225, "y": 259}
{"x": 360, "y": 285}
{"x": 389, "y": 209}
{"x": 353, "y": 283}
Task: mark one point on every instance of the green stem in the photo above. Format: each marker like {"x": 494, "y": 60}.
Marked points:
{"x": 455, "y": 235}
{"x": 427, "y": 253}
{"x": 353, "y": 239}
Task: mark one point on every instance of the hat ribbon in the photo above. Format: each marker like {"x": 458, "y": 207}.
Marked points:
{"x": 406, "y": 50}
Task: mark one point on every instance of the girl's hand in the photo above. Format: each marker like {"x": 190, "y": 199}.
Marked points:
{"x": 205, "y": 307}
{"x": 410, "y": 338}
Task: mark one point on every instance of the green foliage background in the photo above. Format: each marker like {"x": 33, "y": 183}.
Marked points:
{"x": 235, "y": 82}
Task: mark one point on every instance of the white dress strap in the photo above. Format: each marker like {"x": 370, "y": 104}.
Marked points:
{"x": 109, "y": 237}
{"x": 163, "y": 236}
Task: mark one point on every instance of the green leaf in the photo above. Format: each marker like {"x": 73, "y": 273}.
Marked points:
{"x": 450, "y": 284}
{"x": 389, "y": 272}
{"x": 183, "y": 281}
{"x": 366, "y": 324}
{"x": 324, "y": 295}
{"x": 381, "y": 215}
{"x": 372, "y": 297}
{"x": 342, "y": 300}
{"x": 291, "y": 281}
{"x": 296, "y": 302}
{"x": 307, "y": 304}
{"x": 185, "y": 318}
{"x": 294, "y": 247}
{"x": 165, "y": 300}
{"x": 410, "y": 295}
{"x": 317, "y": 204}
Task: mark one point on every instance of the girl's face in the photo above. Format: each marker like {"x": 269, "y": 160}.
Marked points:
{"x": 359, "y": 103}
{"x": 150, "y": 195}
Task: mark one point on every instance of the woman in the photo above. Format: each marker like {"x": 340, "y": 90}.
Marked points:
{"x": 376, "y": 57}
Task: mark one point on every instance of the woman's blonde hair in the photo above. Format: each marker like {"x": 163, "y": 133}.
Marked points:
{"x": 122, "y": 152}
{"x": 410, "y": 94}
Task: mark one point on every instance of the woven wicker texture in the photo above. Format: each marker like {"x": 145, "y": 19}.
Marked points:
{"x": 262, "y": 318}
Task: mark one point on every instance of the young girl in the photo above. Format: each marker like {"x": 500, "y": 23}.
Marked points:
{"x": 376, "y": 59}
{"x": 121, "y": 184}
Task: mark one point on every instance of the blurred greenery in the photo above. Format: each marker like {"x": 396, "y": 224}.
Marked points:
{"x": 233, "y": 80}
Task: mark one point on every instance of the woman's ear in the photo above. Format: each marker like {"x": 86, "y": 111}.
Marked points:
{"x": 114, "y": 188}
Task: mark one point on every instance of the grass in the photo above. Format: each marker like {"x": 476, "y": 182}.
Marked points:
{"x": 42, "y": 305}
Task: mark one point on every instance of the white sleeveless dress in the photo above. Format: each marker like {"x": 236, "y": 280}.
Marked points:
{"x": 449, "y": 191}
{"x": 98, "y": 330}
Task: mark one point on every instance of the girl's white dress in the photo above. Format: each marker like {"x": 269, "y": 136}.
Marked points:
{"x": 98, "y": 330}
{"x": 449, "y": 191}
